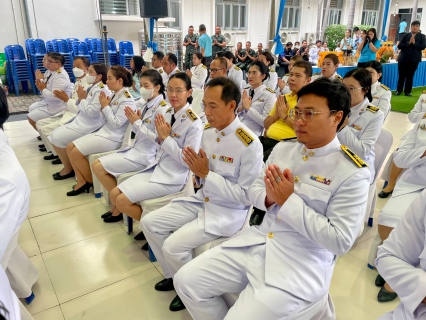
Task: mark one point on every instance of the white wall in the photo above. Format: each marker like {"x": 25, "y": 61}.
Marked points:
{"x": 12, "y": 27}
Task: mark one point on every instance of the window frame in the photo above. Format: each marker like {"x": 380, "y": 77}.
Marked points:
{"x": 178, "y": 21}
{"x": 128, "y": 3}
{"x": 295, "y": 16}
{"x": 225, "y": 18}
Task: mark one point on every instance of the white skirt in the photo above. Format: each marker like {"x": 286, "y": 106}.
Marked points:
{"x": 91, "y": 144}
{"x": 138, "y": 188}
{"x": 62, "y": 136}
{"x": 116, "y": 164}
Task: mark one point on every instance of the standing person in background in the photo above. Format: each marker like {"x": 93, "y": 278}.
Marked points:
{"x": 205, "y": 44}
{"x": 411, "y": 46}
{"x": 239, "y": 55}
{"x": 189, "y": 42}
{"x": 136, "y": 64}
{"x": 402, "y": 27}
{"x": 356, "y": 40}
{"x": 368, "y": 48}
{"x": 346, "y": 43}
{"x": 314, "y": 53}
{"x": 304, "y": 50}
{"x": 218, "y": 41}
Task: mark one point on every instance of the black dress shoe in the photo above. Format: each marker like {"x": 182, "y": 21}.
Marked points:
{"x": 85, "y": 188}
{"x": 106, "y": 214}
{"x": 66, "y": 176}
{"x": 145, "y": 247}
{"x": 56, "y": 174}
{"x": 397, "y": 93}
{"x": 50, "y": 157}
{"x": 408, "y": 94}
{"x": 176, "y": 304}
{"x": 257, "y": 217}
{"x": 57, "y": 161}
{"x": 165, "y": 285}
{"x": 39, "y": 138}
{"x": 380, "y": 282}
{"x": 42, "y": 149}
{"x": 41, "y": 146}
{"x": 383, "y": 195}
{"x": 386, "y": 296}
{"x": 112, "y": 219}
{"x": 140, "y": 236}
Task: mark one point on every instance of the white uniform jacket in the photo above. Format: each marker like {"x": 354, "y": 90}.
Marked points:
{"x": 272, "y": 81}
{"x": 145, "y": 146}
{"x": 72, "y": 108}
{"x": 116, "y": 120}
{"x": 361, "y": 133}
{"x": 164, "y": 75}
{"x": 235, "y": 161}
{"x": 419, "y": 110}
{"x": 57, "y": 80}
{"x": 90, "y": 118}
{"x": 236, "y": 75}
{"x": 14, "y": 194}
{"x": 199, "y": 76}
{"x": 175, "y": 70}
{"x": 398, "y": 260}
{"x": 261, "y": 105}
{"x": 317, "y": 223}
{"x": 381, "y": 97}
{"x": 186, "y": 131}
{"x": 335, "y": 76}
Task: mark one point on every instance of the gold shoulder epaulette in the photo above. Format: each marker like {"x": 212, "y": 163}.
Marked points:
{"x": 127, "y": 94}
{"x": 424, "y": 92}
{"x": 384, "y": 87}
{"x": 58, "y": 71}
{"x": 287, "y": 75}
{"x": 372, "y": 108}
{"x": 191, "y": 115}
{"x": 178, "y": 71}
{"x": 244, "y": 136}
{"x": 207, "y": 126}
{"x": 169, "y": 110}
{"x": 204, "y": 66}
{"x": 101, "y": 85}
{"x": 270, "y": 90}
{"x": 358, "y": 161}
{"x": 163, "y": 103}
{"x": 270, "y": 70}
{"x": 424, "y": 116}
{"x": 161, "y": 71}
{"x": 237, "y": 68}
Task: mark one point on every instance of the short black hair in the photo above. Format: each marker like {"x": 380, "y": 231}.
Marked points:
{"x": 306, "y": 66}
{"x": 356, "y": 29}
{"x": 185, "y": 78}
{"x": 364, "y": 78}
{"x": 404, "y": 19}
{"x": 191, "y": 27}
{"x": 268, "y": 57}
{"x": 222, "y": 63}
{"x": 376, "y": 65}
{"x": 229, "y": 55}
{"x": 415, "y": 23}
{"x": 336, "y": 93}
{"x": 159, "y": 54}
{"x": 318, "y": 41}
{"x": 85, "y": 61}
{"x": 101, "y": 69}
{"x": 263, "y": 68}
{"x": 4, "y": 108}
{"x": 172, "y": 58}
{"x": 57, "y": 57}
{"x": 202, "y": 27}
{"x": 230, "y": 91}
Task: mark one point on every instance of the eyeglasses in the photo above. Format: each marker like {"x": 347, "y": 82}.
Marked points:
{"x": 215, "y": 70}
{"x": 355, "y": 89}
{"x": 178, "y": 90}
{"x": 51, "y": 61}
{"x": 253, "y": 73}
{"x": 306, "y": 114}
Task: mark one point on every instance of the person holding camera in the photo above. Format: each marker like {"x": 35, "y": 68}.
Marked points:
{"x": 368, "y": 47}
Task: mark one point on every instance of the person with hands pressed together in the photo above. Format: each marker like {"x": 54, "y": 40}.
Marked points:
{"x": 190, "y": 42}
{"x": 168, "y": 173}
{"x": 314, "y": 195}
{"x": 198, "y": 72}
{"x": 141, "y": 153}
{"x": 218, "y": 41}
{"x": 249, "y": 57}
{"x": 229, "y": 160}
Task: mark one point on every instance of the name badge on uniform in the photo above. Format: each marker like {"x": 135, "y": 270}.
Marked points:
{"x": 376, "y": 97}
{"x": 356, "y": 127}
{"x": 147, "y": 121}
{"x": 115, "y": 103}
{"x": 320, "y": 179}
{"x": 226, "y": 159}
{"x": 261, "y": 100}
{"x": 422, "y": 127}
{"x": 175, "y": 135}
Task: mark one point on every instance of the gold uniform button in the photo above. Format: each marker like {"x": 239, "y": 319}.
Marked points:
{"x": 214, "y": 156}
{"x": 278, "y": 218}
{"x": 218, "y": 139}
{"x": 270, "y": 235}
{"x": 296, "y": 179}
{"x": 222, "y": 133}
{"x": 305, "y": 158}
{"x": 206, "y": 199}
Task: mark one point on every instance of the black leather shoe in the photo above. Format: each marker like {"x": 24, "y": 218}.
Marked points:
{"x": 397, "y": 93}
{"x": 42, "y": 149}
{"x": 112, "y": 219}
{"x": 383, "y": 195}
{"x": 66, "y": 176}
{"x": 50, "y": 157}
{"x": 386, "y": 296}
{"x": 176, "y": 304}
{"x": 41, "y": 146}
{"x": 106, "y": 214}
{"x": 56, "y": 174}
{"x": 85, "y": 188}
{"x": 39, "y": 138}
{"x": 145, "y": 247}
{"x": 380, "y": 282}
{"x": 257, "y": 217}
{"x": 57, "y": 161}
{"x": 408, "y": 94}
{"x": 165, "y": 285}
{"x": 140, "y": 236}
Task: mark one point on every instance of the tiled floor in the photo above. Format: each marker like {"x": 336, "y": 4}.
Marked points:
{"x": 22, "y": 102}
{"x": 92, "y": 270}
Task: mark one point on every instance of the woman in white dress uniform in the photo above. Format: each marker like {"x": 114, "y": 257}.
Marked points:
{"x": 257, "y": 100}
{"x": 110, "y": 136}
{"x": 381, "y": 94}
{"x": 142, "y": 153}
{"x": 329, "y": 68}
{"x": 234, "y": 72}
{"x": 267, "y": 58}
{"x": 89, "y": 118}
{"x": 362, "y": 128}
{"x": 198, "y": 72}
{"x": 169, "y": 172}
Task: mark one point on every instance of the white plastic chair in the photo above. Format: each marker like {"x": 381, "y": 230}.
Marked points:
{"x": 197, "y": 96}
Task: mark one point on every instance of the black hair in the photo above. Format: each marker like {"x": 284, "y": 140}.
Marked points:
{"x": 171, "y": 57}
{"x": 185, "y": 78}
{"x": 156, "y": 79}
{"x": 350, "y": 32}
{"x": 404, "y": 19}
{"x": 333, "y": 58}
{"x": 288, "y": 44}
{"x": 222, "y": 63}
{"x": 201, "y": 57}
{"x": 415, "y": 23}
{"x": 297, "y": 42}
{"x": 248, "y": 42}
{"x": 101, "y": 69}
{"x": 318, "y": 41}
{"x": 57, "y": 57}
{"x": 120, "y": 72}
{"x": 239, "y": 42}
{"x": 139, "y": 62}
{"x": 356, "y": 29}
{"x": 229, "y": 55}
{"x": 336, "y": 93}
{"x": 219, "y": 54}
{"x": 4, "y": 108}
{"x": 364, "y": 78}
{"x": 268, "y": 57}
{"x": 202, "y": 27}
{"x": 375, "y": 35}
{"x": 306, "y": 65}
{"x": 190, "y": 27}
{"x": 159, "y": 54}
{"x": 263, "y": 68}
{"x": 230, "y": 91}
{"x": 85, "y": 61}
{"x": 376, "y": 65}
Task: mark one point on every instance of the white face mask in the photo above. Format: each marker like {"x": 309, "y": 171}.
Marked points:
{"x": 146, "y": 93}
{"x": 90, "y": 79}
{"x": 78, "y": 72}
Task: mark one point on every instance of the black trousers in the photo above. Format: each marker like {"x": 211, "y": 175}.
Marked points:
{"x": 406, "y": 71}
{"x": 268, "y": 144}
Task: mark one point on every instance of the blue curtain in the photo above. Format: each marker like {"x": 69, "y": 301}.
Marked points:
{"x": 278, "y": 45}
{"x": 151, "y": 43}
{"x": 385, "y": 17}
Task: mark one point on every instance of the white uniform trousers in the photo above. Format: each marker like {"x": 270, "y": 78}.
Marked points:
{"x": 45, "y": 128}
{"x": 201, "y": 283}
{"x": 174, "y": 250}
{"x": 36, "y": 114}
